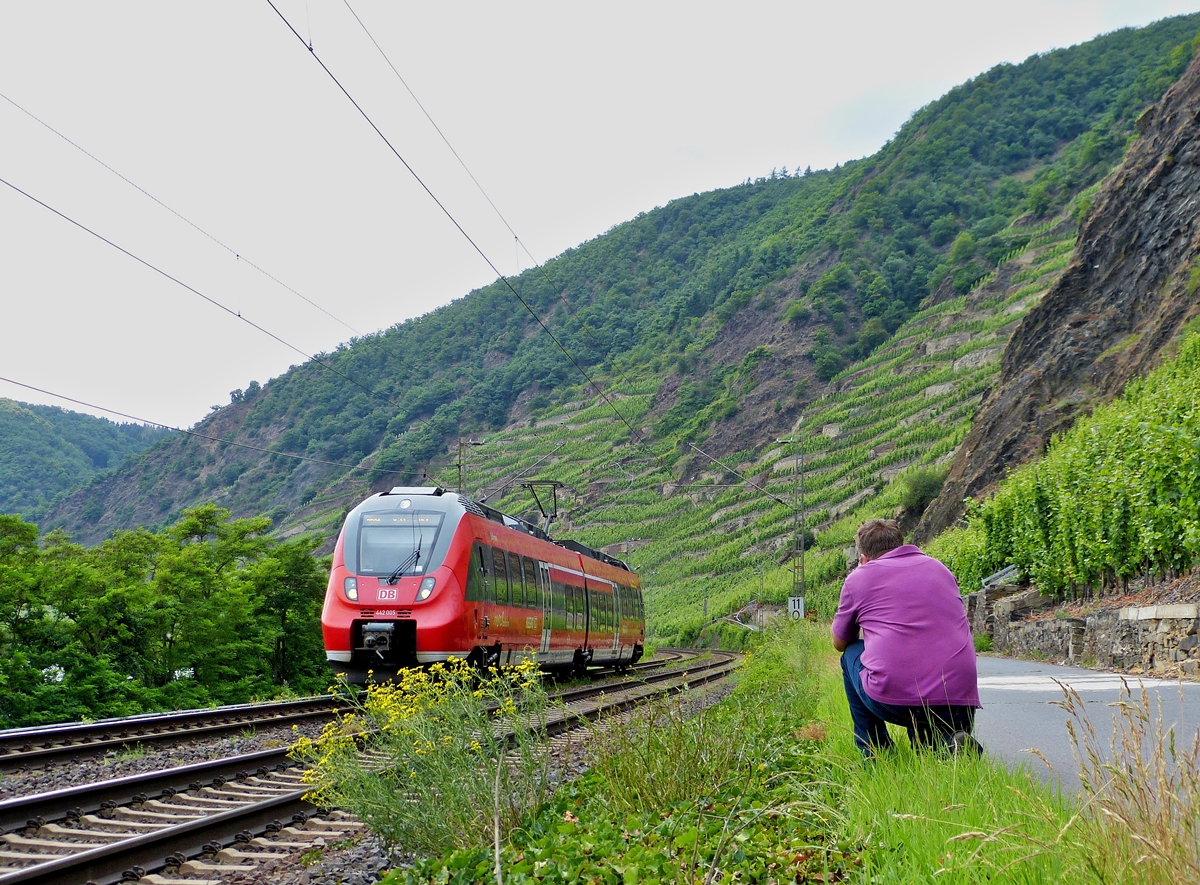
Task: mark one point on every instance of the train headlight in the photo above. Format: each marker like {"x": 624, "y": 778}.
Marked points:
{"x": 350, "y": 587}
{"x": 426, "y": 588}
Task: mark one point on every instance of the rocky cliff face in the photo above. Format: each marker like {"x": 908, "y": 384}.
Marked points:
{"x": 1132, "y": 285}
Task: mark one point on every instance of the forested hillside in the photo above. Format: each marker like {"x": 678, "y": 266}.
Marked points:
{"x": 45, "y": 451}
{"x": 795, "y": 305}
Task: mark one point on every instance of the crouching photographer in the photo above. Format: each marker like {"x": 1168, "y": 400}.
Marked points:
{"x": 907, "y": 653}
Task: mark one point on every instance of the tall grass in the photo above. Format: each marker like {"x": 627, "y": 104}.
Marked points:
{"x": 678, "y": 751}
{"x": 1143, "y": 795}
{"x": 924, "y": 817}
{"x": 920, "y": 816}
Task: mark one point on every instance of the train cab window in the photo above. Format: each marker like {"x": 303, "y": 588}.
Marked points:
{"x": 499, "y": 577}
{"x": 532, "y": 598}
{"x": 399, "y": 543}
{"x": 516, "y": 578}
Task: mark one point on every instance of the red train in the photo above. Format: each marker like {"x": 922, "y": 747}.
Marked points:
{"x": 422, "y": 574}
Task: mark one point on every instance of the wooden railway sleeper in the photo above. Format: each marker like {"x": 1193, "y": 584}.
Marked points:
{"x": 204, "y": 866}
{"x": 232, "y": 794}
{"x": 267, "y": 842}
{"x": 187, "y": 799}
{"x": 137, "y": 816}
{"x": 36, "y": 843}
{"x": 93, "y": 820}
{"x": 313, "y": 834}
{"x": 88, "y": 832}
{"x": 235, "y": 855}
{"x": 24, "y": 858}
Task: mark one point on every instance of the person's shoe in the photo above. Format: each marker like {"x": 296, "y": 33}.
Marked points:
{"x": 962, "y": 742}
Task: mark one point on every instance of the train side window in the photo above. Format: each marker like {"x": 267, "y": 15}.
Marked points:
{"x": 499, "y": 577}
{"x": 560, "y": 605}
{"x": 532, "y": 598}
{"x": 515, "y": 578}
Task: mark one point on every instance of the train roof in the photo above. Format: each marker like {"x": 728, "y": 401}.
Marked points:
{"x": 470, "y": 505}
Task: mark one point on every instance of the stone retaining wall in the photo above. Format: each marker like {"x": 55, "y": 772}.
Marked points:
{"x": 1150, "y": 639}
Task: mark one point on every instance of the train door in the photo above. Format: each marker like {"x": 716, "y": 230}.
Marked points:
{"x": 481, "y": 591}
{"x": 543, "y": 581}
{"x": 501, "y": 596}
{"x": 613, "y": 621}
{"x": 587, "y": 616}
{"x": 617, "y": 603}
{"x": 531, "y": 637}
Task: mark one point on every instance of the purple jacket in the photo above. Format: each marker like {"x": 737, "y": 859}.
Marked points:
{"x": 918, "y": 647}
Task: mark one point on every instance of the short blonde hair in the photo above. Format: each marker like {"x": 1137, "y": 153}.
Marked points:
{"x": 876, "y": 537}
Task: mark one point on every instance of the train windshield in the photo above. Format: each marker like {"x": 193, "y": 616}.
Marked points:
{"x": 397, "y": 544}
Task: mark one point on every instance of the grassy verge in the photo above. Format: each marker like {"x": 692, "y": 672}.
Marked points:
{"x": 767, "y": 787}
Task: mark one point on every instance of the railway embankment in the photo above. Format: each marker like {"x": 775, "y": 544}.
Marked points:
{"x": 1152, "y": 630}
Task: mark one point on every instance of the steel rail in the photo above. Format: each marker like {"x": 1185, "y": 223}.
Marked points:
{"x": 21, "y": 748}
{"x": 23, "y": 811}
{"x": 153, "y": 850}
{"x": 36, "y": 745}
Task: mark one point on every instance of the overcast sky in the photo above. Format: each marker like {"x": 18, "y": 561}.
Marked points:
{"x": 573, "y": 117}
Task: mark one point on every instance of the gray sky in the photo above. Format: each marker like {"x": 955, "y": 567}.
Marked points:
{"x": 574, "y": 118}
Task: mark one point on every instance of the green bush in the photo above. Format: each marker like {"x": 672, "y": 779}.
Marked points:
{"x": 921, "y": 486}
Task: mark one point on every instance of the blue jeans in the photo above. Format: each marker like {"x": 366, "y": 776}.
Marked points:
{"x": 928, "y": 726}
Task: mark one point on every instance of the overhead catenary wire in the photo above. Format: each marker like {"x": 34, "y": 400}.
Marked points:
{"x": 504, "y": 279}
{"x": 234, "y": 252}
{"x": 196, "y": 433}
{"x": 519, "y": 243}
{"x": 744, "y": 479}
{"x": 229, "y": 310}
{"x": 521, "y": 247}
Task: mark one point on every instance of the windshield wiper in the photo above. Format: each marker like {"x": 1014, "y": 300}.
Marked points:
{"x": 409, "y": 561}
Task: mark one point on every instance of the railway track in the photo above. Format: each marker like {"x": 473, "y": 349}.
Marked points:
{"x": 25, "y": 748}
{"x": 28, "y": 748}
{"x": 197, "y": 823}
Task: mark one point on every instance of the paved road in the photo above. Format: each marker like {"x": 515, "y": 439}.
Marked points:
{"x": 1017, "y": 712}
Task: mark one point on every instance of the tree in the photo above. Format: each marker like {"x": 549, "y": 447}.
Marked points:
{"x": 289, "y": 586}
